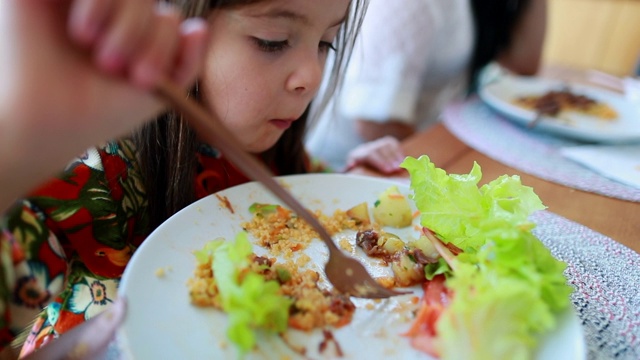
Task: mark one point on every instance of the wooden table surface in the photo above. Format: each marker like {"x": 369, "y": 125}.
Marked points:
{"x": 617, "y": 219}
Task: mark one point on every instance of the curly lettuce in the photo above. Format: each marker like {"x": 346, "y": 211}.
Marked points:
{"x": 507, "y": 286}
{"x": 251, "y": 302}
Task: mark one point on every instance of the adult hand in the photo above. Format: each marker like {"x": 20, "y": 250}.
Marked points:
{"x": 77, "y": 72}
{"x": 383, "y": 154}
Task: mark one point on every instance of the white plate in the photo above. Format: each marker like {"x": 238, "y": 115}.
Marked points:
{"x": 162, "y": 324}
{"x": 500, "y": 95}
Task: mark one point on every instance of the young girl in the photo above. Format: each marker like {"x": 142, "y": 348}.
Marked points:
{"x": 75, "y": 234}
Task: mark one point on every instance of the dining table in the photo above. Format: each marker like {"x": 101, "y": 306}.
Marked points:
{"x": 591, "y": 222}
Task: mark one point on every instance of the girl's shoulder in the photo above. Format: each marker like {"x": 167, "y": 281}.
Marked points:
{"x": 109, "y": 172}
{"x": 119, "y": 153}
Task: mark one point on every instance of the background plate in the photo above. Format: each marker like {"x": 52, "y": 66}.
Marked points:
{"x": 501, "y": 93}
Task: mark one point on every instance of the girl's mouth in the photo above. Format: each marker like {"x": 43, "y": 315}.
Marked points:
{"x": 281, "y": 124}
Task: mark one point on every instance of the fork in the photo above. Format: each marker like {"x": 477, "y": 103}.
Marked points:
{"x": 345, "y": 273}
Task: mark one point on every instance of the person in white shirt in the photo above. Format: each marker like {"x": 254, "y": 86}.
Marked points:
{"x": 413, "y": 57}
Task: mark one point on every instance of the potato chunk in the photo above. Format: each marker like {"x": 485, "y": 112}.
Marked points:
{"x": 360, "y": 213}
{"x": 392, "y": 209}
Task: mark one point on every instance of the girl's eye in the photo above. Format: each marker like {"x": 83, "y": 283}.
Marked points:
{"x": 271, "y": 46}
{"x": 325, "y": 46}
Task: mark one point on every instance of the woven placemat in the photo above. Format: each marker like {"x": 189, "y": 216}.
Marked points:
{"x": 605, "y": 276}
{"x": 529, "y": 150}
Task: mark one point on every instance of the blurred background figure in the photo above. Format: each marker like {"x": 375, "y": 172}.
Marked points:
{"x": 414, "y": 57}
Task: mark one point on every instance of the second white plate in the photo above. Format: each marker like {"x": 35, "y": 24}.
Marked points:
{"x": 501, "y": 93}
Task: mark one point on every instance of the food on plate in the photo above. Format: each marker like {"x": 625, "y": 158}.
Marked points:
{"x": 379, "y": 243}
{"x": 283, "y": 232}
{"x": 258, "y": 292}
{"x": 555, "y": 102}
{"x": 392, "y": 209}
{"x": 360, "y": 213}
{"x": 264, "y": 293}
{"x": 490, "y": 287}
{"x": 504, "y": 288}
{"x": 407, "y": 259}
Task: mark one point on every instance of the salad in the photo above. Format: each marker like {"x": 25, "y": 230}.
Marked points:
{"x": 504, "y": 288}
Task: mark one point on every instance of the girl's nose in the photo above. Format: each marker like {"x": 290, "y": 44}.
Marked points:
{"x": 306, "y": 75}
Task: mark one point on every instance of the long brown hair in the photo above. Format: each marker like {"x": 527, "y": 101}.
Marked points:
{"x": 167, "y": 146}
{"x": 494, "y": 21}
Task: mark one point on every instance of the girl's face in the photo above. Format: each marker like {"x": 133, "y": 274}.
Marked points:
{"x": 265, "y": 64}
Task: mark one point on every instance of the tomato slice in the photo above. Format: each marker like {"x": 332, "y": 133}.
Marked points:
{"x": 435, "y": 292}
{"x": 423, "y": 330}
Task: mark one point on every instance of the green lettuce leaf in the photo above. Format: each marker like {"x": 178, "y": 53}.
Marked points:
{"x": 206, "y": 253}
{"x": 507, "y": 286}
{"x": 439, "y": 268}
{"x": 252, "y": 303}
{"x": 262, "y": 209}
{"x": 455, "y": 208}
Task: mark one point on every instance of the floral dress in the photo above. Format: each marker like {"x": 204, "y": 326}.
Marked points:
{"x": 64, "y": 248}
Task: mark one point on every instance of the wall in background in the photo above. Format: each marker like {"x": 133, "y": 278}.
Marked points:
{"x": 594, "y": 34}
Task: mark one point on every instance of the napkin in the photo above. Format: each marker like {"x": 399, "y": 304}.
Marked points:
{"x": 617, "y": 162}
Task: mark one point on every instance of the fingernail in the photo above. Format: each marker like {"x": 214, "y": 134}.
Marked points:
{"x": 193, "y": 24}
